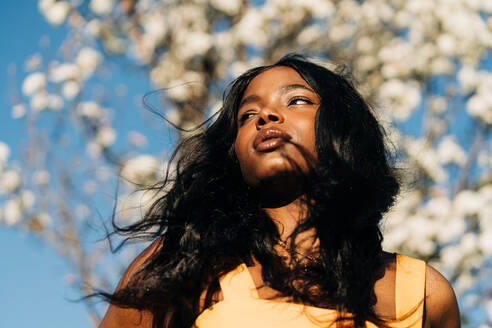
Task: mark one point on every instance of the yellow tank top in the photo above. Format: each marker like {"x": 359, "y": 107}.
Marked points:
{"x": 243, "y": 308}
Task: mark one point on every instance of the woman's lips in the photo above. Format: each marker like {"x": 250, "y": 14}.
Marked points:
{"x": 270, "y": 139}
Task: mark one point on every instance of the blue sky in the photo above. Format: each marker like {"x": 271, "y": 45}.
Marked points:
{"x": 32, "y": 288}
{"x": 33, "y": 291}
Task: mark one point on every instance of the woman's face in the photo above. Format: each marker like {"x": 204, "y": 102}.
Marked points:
{"x": 275, "y": 123}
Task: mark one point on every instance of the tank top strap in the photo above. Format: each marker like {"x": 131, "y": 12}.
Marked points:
{"x": 238, "y": 284}
{"x": 410, "y": 290}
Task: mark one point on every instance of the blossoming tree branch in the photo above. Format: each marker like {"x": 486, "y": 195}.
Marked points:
{"x": 424, "y": 65}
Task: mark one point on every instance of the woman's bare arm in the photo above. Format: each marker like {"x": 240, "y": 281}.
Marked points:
{"x": 441, "y": 307}
{"x": 117, "y": 317}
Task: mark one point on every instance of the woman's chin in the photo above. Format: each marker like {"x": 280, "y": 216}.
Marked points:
{"x": 278, "y": 189}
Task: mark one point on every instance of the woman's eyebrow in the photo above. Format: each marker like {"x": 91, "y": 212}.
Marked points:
{"x": 289, "y": 87}
{"x": 282, "y": 89}
{"x": 248, "y": 99}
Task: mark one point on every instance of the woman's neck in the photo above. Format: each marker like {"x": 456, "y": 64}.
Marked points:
{"x": 287, "y": 217}
{"x": 284, "y": 201}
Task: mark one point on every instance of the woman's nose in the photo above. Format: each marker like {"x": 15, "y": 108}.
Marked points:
{"x": 268, "y": 115}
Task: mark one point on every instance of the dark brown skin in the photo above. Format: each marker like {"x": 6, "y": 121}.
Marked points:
{"x": 285, "y": 102}
{"x": 279, "y": 98}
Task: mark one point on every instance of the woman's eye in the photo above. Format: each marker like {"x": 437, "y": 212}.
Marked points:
{"x": 244, "y": 117}
{"x": 300, "y": 101}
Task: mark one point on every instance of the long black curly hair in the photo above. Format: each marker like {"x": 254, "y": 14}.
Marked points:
{"x": 211, "y": 223}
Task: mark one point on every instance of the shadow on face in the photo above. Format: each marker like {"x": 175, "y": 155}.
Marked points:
{"x": 276, "y": 130}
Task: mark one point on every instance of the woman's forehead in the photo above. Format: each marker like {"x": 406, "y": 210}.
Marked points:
{"x": 275, "y": 77}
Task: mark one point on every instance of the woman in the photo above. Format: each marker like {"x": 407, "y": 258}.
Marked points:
{"x": 272, "y": 219}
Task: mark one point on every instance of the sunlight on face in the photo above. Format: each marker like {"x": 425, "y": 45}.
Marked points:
{"x": 276, "y": 120}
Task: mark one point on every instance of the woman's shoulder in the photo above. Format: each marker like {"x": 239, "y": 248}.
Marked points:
{"x": 127, "y": 317}
{"x": 137, "y": 263}
{"x": 441, "y": 306}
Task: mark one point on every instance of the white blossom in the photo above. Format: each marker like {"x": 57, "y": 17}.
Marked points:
{"x": 114, "y": 44}
{"x": 27, "y": 198}
{"x": 485, "y": 215}
{"x": 33, "y": 62}
{"x": 55, "y": 102}
{"x": 70, "y": 89}
{"x": 134, "y": 206}
{"x": 464, "y": 282}
{"x": 419, "y": 234}
{"x": 480, "y": 106}
{"x": 451, "y": 255}
{"x": 41, "y": 177}
{"x": 483, "y": 158}
{"x": 394, "y": 52}
{"x": 365, "y": 45}
{"x": 468, "y": 78}
{"x": 441, "y": 66}
{"x": 180, "y": 92}
{"x": 104, "y": 173}
{"x": 9, "y": 181}
{"x": 447, "y": 44}
{"x": 438, "y": 207}
{"x": 90, "y": 110}
{"x": 172, "y": 115}
{"x": 230, "y": 7}
{"x": 12, "y": 212}
{"x": 137, "y": 139}
{"x": 44, "y": 5}
{"x": 250, "y": 28}
{"x": 468, "y": 202}
{"x": 144, "y": 51}
{"x": 87, "y": 60}
{"x": 340, "y": 32}
{"x": 485, "y": 242}
{"x": 309, "y": 34}
{"x": 39, "y": 101}
{"x": 18, "y": 111}
{"x": 44, "y": 219}
{"x": 66, "y": 71}
{"x": 438, "y": 104}
{"x": 455, "y": 226}
{"x": 194, "y": 43}
{"x": 240, "y": 66}
{"x": 155, "y": 26}
{"x": 449, "y": 151}
{"x": 406, "y": 203}
{"x": 488, "y": 307}
{"x": 106, "y": 136}
{"x": 33, "y": 83}
{"x": 319, "y": 9}
{"x": 468, "y": 243}
{"x": 400, "y": 98}
{"x": 190, "y": 85}
{"x": 4, "y": 153}
{"x": 394, "y": 238}
{"x": 426, "y": 157}
{"x": 57, "y": 12}
{"x": 101, "y": 7}
{"x": 93, "y": 27}
{"x": 140, "y": 170}
{"x": 94, "y": 149}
